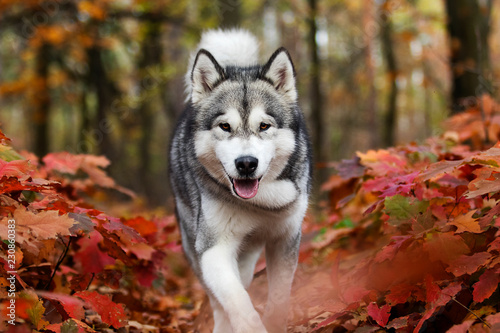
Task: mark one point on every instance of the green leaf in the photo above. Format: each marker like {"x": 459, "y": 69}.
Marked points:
{"x": 402, "y": 209}
{"x": 345, "y": 223}
{"x": 8, "y": 154}
{"x": 35, "y": 315}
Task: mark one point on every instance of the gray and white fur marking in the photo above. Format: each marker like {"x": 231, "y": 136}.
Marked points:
{"x": 241, "y": 174}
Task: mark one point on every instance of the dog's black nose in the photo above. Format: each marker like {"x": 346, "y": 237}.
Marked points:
{"x": 246, "y": 165}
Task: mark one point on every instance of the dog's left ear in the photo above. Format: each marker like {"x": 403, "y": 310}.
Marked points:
{"x": 280, "y": 71}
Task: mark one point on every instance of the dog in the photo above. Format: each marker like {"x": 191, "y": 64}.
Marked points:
{"x": 240, "y": 170}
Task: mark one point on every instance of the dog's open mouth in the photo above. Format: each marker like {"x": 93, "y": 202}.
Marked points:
{"x": 246, "y": 188}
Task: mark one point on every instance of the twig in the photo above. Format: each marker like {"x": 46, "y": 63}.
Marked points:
{"x": 457, "y": 201}
{"x": 90, "y": 282}
{"x": 475, "y": 315}
{"x": 59, "y": 262}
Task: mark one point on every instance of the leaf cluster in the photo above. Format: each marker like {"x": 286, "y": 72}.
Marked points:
{"x": 426, "y": 221}
{"x": 76, "y": 267}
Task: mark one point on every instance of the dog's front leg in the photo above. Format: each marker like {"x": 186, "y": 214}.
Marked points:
{"x": 220, "y": 274}
{"x": 281, "y": 262}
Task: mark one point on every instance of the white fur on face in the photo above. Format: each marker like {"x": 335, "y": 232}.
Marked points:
{"x": 217, "y": 151}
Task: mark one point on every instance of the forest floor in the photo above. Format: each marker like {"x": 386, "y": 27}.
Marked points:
{"x": 407, "y": 240}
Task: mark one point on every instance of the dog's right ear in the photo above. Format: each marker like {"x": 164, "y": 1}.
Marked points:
{"x": 205, "y": 76}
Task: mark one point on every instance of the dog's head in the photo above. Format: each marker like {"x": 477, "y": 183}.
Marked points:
{"x": 246, "y": 120}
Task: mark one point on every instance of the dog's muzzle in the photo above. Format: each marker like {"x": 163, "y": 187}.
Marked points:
{"x": 246, "y": 187}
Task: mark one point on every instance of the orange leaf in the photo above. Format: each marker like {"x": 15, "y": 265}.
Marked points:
{"x": 44, "y": 225}
{"x": 466, "y": 223}
{"x": 445, "y": 247}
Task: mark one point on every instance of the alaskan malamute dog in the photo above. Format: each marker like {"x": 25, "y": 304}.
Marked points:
{"x": 240, "y": 171}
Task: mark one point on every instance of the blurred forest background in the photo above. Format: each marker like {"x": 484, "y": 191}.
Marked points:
{"x": 106, "y": 77}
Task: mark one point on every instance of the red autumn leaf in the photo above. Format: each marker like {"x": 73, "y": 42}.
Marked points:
{"x": 468, "y": 264}
{"x": 91, "y": 165}
{"x": 487, "y": 181}
{"x": 71, "y": 306}
{"x": 22, "y": 305}
{"x": 438, "y": 169}
{"x": 3, "y": 138}
{"x": 432, "y": 291}
{"x": 91, "y": 258}
{"x": 111, "y": 313}
{"x": 448, "y": 293}
{"x": 19, "y": 168}
{"x": 127, "y": 234}
{"x": 65, "y": 162}
{"x": 377, "y": 184}
{"x": 389, "y": 251}
{"x": 399, "y": 293}
{"x": 142, "y": 226}
{"x": 487, "y": 284}
{"x": 80, "y": 282}
{"x": 427, "y": 314}
{"x": 328, "y": 321}
{"x": 495, "y": 245}
{"x": 11, "y": 184}
{"x": 145, "y": 275}
{"x": 380, "y": 315}
{"x": 142, "y": 250}
{"x": 487, "y": 219}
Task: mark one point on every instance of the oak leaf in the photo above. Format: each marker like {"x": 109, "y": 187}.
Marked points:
{"x": 487, "y": 181}
{"x": 466, "y": 223}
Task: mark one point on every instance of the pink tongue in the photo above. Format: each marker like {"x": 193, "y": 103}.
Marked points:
{"x": 246, "y": 188}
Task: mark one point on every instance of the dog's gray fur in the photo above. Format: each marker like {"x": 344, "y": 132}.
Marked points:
{"x": 229, "y": 209}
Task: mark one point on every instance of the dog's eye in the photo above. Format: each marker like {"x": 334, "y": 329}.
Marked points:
{"x": 225, "y": 127}
{"x": 264, "y": 127}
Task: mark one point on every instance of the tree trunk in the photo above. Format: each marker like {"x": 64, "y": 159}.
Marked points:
{"x": 469, "y": 28}
{"x": 151, "y": 55}
{"x": 390, "y": 116}
{"x": 371, "y": 101}
{"x": 41, "y": 101}
{"x": 106, "y": 92}
{"x": 316, "y": 99}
